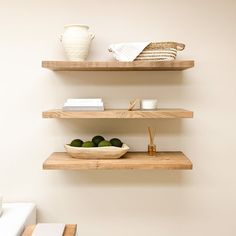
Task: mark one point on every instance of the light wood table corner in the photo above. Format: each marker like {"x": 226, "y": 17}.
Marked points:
{"x": 70, "y": 230}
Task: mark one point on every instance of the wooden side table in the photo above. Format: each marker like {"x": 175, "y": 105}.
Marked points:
{"x": 70, "y": 230}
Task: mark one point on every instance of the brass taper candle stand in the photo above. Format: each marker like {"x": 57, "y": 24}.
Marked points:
{"x": 151, "y": 147}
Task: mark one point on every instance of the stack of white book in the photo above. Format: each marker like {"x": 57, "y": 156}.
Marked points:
{"x": 90, "y": 104}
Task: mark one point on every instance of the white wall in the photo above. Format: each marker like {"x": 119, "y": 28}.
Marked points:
{"x": 180, "y": 203}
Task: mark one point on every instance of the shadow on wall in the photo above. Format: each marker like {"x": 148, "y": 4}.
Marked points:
{"x": 122, "y": 191}
{"x": 127, "y": 78}
{"x": 124, "y": 127}
{"x": 122, "y": 178}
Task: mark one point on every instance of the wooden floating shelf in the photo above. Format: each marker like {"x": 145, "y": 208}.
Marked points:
{"x": 119, "y": 114}
{"x": 175, "y": 65}
{"x": 131, "y": 160}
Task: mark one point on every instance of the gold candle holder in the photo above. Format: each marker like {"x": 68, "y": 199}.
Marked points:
{"x": 152, "y": 150}
{"x": 151, "y": 147}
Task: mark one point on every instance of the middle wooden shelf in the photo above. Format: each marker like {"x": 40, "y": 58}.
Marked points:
{"x": 120, "y": 114}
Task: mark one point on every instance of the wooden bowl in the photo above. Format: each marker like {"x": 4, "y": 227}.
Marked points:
{"x": 109, "y": 152}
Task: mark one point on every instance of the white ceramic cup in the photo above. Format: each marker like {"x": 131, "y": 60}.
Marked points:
{"x": 148, "y": 104}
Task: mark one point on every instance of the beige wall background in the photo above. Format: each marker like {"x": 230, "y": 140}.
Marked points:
{"x": 103, "y": 203}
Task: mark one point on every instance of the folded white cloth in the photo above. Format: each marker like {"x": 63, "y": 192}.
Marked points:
{"x": 49, "y": 230}
{"x": 127, "y": 51}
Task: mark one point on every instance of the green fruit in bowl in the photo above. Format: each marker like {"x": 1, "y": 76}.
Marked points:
{"x": 88, "y": 144}
{"x": 76, "y": 143}
{"x": 104, "y": 143}
{"x": 97, "y": 139}
{"x": 116, "y": 142}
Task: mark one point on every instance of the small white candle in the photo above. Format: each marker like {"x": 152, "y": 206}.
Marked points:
{"x": 148, "y": 104}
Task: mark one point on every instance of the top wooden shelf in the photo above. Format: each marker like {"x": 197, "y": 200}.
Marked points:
{"x": 174, "y": 65}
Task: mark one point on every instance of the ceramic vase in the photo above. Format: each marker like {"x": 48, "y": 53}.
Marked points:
{"x": 76, "y": 41}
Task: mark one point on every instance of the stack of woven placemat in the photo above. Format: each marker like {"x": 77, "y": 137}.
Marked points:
{"x": 160, "y": 51}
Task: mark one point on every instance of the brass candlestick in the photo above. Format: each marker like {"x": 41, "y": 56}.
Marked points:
{"x": 151, "y": 147}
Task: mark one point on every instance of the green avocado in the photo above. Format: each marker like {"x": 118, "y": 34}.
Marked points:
{"x": 116, "y": 142}
{"x": 88, "y": 144}
{"x": 104, "y": 143}
{"x": 76, "y": 143}
{"x": 97, "y": 139}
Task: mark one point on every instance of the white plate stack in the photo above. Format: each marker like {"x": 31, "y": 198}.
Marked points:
{"x": 89, "y": 104}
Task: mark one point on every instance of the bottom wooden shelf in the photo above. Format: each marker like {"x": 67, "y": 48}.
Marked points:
{"x": 131, "y": 160}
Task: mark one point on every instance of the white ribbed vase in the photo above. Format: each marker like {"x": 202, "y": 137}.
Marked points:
{"x": 76, "y": 42}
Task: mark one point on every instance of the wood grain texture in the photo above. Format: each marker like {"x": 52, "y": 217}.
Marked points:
{"x": 29, "y": 230}
{"x": 119, "y": 114}
{"x": 70, "y": 230}
{"x": 131, "y": 160}
{"x": 174, "y": 65}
